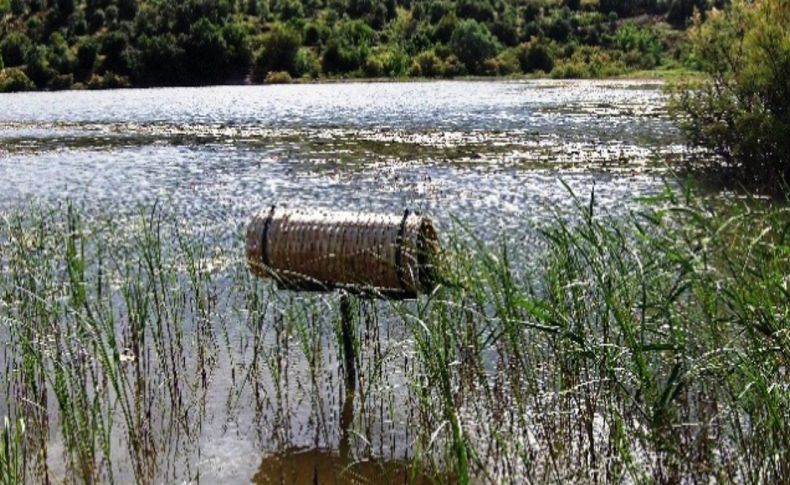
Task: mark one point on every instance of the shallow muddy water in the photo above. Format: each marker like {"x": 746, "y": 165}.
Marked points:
{"x": 496, "y": 155}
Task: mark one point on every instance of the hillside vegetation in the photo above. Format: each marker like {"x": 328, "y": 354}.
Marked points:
{"x": 59, "y": 44}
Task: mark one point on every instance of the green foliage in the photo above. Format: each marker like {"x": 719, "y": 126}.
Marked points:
{"x": 473, "y": 43}
{"x": 277, "y": 77}
{"x": 643, "y": 46}
{"x": 535, "y": 56}
{"x": 108, "y": 80}
{"x": 426, "y": 64}
{"x": 14, "y": 79}
{"x": 278, "y": 52}
{"x": 13, "y": 451}
{"x": 159, "y": 50}
{"x": 37, "y": 66}
{"x": 742, "y": 110}
{"x": 348, "y": 47}
{"x": 14, "y": 48}
{"x": 162, "y": 42}
{"x": 87, "y": 50}
{"x": 588, "y": 62}
{"x": 307, "y": 63}
{"x": 207, "y": 54}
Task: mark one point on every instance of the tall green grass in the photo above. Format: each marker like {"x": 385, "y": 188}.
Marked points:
{"x": 647, "y": 347}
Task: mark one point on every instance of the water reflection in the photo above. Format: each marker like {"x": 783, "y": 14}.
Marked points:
{"x": 313, "y": 465}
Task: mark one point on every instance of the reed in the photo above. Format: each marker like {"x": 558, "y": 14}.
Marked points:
{"x": 650, "y": 347}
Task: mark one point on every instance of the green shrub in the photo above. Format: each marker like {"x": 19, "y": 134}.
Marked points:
{"x": 96, "y": 20}
{"x": 348, "y": 47}
{"x": 60, "y": 57}
{"x": 535, "y": 56}
{"x": 314, "y": 33}
{"x": 426, "y": 64}
{"x": 62, "y": 81}
{"x": 288, "y": 9}
{"x": 37, "y": 66}
{"x": 207, "y": 54}
{"x": 236, "y": 36}
{"x": 114, "y": 47}
{"x": 278, "y": 77}
{"x": 307, "y": 63}
{"x": 742, "y": 109}
{"x": 395, "y": 60}
{"x": 278, "y": 52}
{"x": 559, "y": 29}
{"x": 445, "y": 28}
{"x": 373, "y": 67}
{"x": 14, "y": 79}
{"x": 506, "y": 63}
{"x": 571, "y": 70}
{"x": 473, "y": 43}
{"x": 631, "y": 38}
{"x": 159, "y": 50}
{"x": 452, "y": 67}
{"x": 588, "y": 62}
{"x": 14, "y": 48}
{"x": 681, "y": 10}
{"x": 480, "y": 10}
{"x": 108, "y": 80}
{"x": 87, "y": 50}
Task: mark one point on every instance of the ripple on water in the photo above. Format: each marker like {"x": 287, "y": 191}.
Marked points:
{"x": 501, "y": 156}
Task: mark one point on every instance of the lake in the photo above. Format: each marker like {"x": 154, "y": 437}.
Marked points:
{"x": 492, "y": 151}
{"x": 499, "y": 156}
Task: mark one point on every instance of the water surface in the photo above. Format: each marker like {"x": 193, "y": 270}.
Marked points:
{"x": 500, "y": 156}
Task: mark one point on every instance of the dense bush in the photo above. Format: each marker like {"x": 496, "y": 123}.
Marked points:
{"x": 307, "y": 63}
{"x": 162, "y": 42}
{"x": 348, "y": 48}
{"x": 742, "y": 109}
{"x": 14, "y": 48}
{"x": 426, "y": 64}
{"x": 278, "y": 52}
{"x": 207, "y": 54}
{"x": 277, "y": 77}
{"x": 535, "y": 56}
{"x": 14, "y": 79}
{"x": 473, "y": 43}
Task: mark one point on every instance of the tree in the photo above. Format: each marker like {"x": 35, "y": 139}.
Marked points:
{"x": 534, "y": 56}
{"x": 348, "y": 47}
{"x": 206, "y": 52}
{"x": 742, "y": 110}
{"x": 278, "y": 52}
{"x": 14, "y": 48}
{"x": 37, "y": 66}
{"x": 14, "y": 79}
{"x": 157, "y": 51}
{"x": 87, "y": 50}
{"x": 480, "y": 10}
{"x": 473, "y": 43}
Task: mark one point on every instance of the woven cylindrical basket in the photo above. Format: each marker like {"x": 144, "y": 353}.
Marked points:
{"x": 321, "y": 250}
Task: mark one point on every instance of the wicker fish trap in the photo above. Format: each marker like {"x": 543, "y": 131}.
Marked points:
{"x": 321, "y": 250}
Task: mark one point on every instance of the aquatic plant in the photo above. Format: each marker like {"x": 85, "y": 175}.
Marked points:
{"x": 650, "y": 347}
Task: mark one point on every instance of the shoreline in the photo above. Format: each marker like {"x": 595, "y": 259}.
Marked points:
{"x": 651, "y": 76}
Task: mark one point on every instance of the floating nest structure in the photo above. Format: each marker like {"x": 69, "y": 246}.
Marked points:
{"x": 319, "y": 250}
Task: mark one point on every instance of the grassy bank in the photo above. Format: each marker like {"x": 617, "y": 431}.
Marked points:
{"x": 650, "y": 348}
